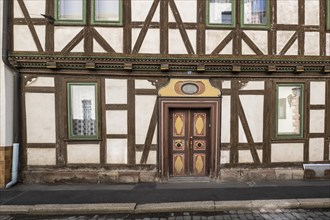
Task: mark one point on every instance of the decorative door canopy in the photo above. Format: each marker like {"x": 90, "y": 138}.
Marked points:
{"x": 189, "y": 88}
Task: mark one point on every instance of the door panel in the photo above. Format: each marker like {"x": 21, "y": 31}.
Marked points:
{"x": 189, "y": 136}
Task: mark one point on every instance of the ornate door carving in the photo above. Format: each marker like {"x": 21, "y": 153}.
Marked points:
{"x": 189, "y": 142}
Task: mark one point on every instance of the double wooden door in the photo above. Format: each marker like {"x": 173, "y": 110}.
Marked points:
{"x": 189, "y": 140}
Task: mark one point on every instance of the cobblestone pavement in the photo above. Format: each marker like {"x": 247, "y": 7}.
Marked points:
{"x": 281, "y": 214}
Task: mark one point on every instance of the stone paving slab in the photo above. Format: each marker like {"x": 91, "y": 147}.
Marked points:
{"x": 206, "y": 206}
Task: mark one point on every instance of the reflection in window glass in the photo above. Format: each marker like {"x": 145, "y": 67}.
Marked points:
{"x": 70, "y": 9}
{"x": 220, "y": 11}
{"x": 107, "y": 10}
{"x": 289, "y": 109}
{"x": 255, "y": 12}
{"x": 82, "y": 110}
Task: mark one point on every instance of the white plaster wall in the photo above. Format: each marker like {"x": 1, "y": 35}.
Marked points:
{"x": 116, "y": 122}
{"x": 41, "y": 156}
{"x": 312, "y": 12}
{"x": 114, "y": 37}
{"x": 144, "y": 106}
{"x": 254, "y": 85}
{"x": 214, "y": 38}
{"x": 246, "y": 49}
{"x": 187, "y": 10}
{"x": 23, "y": 40}
{"x": 287, "y": 152}
{"x": 225, "y": 157}
{"x": 63, "y": 35}
{"x": 245, "y": 156}
{"x": 141, "y": 8}
{"x": 254, "y": 115}
{"x": 117, "y": 151}
{"x": 40, "y": 117}
{"x": 327, "y": 48}
{"x": 83, "y": 153}
{"x": 225, "y": 117}
{"x": 316, "y": 121}
{"x": 317, "y": 93}
{"x": 241, "y": 133}
{"x": 226, "y": 84}
{"x": 34, "y": 7}
{"x": 176, "y": 44}
{"x": 116, "y": 91}
{"x": 144, "y": 84}
{"x": 151, "y": 41}
{"x": 41, "y": 81}
{"x": 152, "y": 157}
{"x": 282, "y": 39}
{"x": 287, "y": 12}
{"x": 228, "y": 49}
{"x": 316, "y": 149}
{"x": 312, "y": 43}
{"x": 260, "y": 39}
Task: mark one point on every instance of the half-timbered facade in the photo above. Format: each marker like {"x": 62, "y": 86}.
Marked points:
{"x": 161, "y": 90}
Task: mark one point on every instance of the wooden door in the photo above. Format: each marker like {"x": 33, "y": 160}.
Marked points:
{"x": 189, "y": 150}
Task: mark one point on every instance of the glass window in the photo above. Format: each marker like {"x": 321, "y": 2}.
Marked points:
{"x": 255, "y": 12}
{"x": 82, "y": 110}
{"x": 70, "y": 10}
{"x": 107, "y": 10}
{"x": 221, "y": 12}
{"x": 289, "y": 112}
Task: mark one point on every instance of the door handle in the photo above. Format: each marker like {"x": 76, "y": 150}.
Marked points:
{"x": 191, "y": 143}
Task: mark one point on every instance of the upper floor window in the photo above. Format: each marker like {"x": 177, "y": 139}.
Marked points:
{"x": 328, "y": 15}
{"x": 75, "y": 11}
{"x": 255, "y": 13}
{"x": 221, "y": 12}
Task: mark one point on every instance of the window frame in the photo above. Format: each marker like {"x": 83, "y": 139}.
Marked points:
{"x": 68, "y": 21}
{"x": 217, "y": 25}
{"x": 105, "y": 22}
{"x": 70, "y": 134}
{"x": 255, "y": 26}
{"x": 301, "y": 111}
{"x": 328, "y": 15}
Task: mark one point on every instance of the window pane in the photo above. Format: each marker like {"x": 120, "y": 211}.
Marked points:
{"x": 83, "y": 110}
{"x": 255, "y": 12}
{"x": 70, "y": 9}
{"x": 289, "y": 115}
{"x": 107, "y": 10}
{"x": 220, "y": 11}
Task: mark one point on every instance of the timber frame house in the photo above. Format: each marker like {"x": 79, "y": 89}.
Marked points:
{"x": 170, "y": 95}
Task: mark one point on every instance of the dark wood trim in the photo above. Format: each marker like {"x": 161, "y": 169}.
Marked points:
{"x": 327, "y": 124}
{"x": 316, "y": 107}
{"x": 306, "y": 119}
{"x": 23, "y": 129}
{"x": 251, "y": 92}
{"x": 61, "y": 124}
{"x": 272, "y": 36}
{"x": 301, "y": 24}
{"x": 234, "y": 122}
{"x": 74, "y": 42}
{"x": 127, "y": 19}
{"x": 316, "y": 135}
{"x": 40, "y": 145}
{"x": 10, "y": 26}
{"x": 30, "y": 25}
{"x": 242, "y": 146}
{"x": 289, "y": 43}
{"x": 88, "y": 39}
{"x": 291, "y": 140}
{"x": 102, "y": 121}
{"x": 182, "y": 28}
{"x": 150, "y": 135}
{"x": 268, "y": 105}
{"x": 39, "y": 89}
{"x": 223, "y": 43}
{"x": 49, "y": 41}
{"x": 201, "y": 21}
{"x": 247, "y": 132}
{"x": 116, "y": 106}
{"x": 164, "y": 27}
{"x": 251, "y": 44}
{"x": 146, "y": 92}
{"x": 144, "y": 29}
{"x": 131, "y": 121}
{"x": 323, "y": 29}
{"x": 140, "y": 147}
{"x": 117, "y": 136}
{"x": 35, "y": 21}
{"x": 102, "y": 42}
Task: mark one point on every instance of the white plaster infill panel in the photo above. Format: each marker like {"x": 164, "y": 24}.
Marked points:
{"x": 41, "y": 156}
{"x": 23, "y": 40}
{"x": 287, "y": 152}
{"x": 144, "y": 106}
{"x": 152, "y": 157}
{"x": 151, "y": 41}
{"x": 287, "y": 12}
{"x": 63, "y": 35}
{"x": 317, "y": 93}
{"x": 34, "y": 7}
{"x": 327, "y": 47}
{"x": 40, "y": 117}
{"x": 246, "y": 49}
{"x": 83, "y": 153}
{"x": 312, "y": 12}
{"x": 41, "y": 82}
{"x": 316, "y": 149}
{"x": 117, "y": 151}
{"x": 176, "y": 44}
{"x": 241, "y": 133}
{"x": 245, "y": 156}
{"x": 225, "y": 116}
{"x": 312, "y": 43}
{"x": 282, "y": 39}
{"x": 254, "y": 85}
{"x": 260, "y": 39}
{"x": 214, "y": 38}
{"x": 144, "y": 84}
{"x": 116, "y": 91}
{"x": 141, "y": 8}
{"x": 187, "y": 10}
{"x": 224, "y": 157}
{"x": 316, "y": 121}
{"x": 226, "y": 84}
{"x": 116, "y": 122}
{"x": 113, "y": 36}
